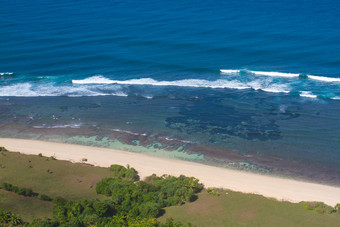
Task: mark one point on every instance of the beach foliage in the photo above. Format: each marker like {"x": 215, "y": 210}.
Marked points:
{"x": 213, "y": 191}
{"x": 319, "y": 207}
{"x": 3, "y": 149}
{"x": 122, "y": 172}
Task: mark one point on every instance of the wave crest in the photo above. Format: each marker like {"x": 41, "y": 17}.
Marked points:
{"x": 280, "y": 74}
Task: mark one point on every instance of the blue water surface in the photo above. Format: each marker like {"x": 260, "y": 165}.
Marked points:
{"x": 261, "y": 78}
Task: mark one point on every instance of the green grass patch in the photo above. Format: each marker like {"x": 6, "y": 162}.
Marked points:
{"x": 26, "y": 207}
{"x": 239, "y": 209}
{"x": 51, "y": 177}
{"x": 47, "y": 177}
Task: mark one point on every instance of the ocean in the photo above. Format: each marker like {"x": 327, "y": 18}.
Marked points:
{"x": 248, "y": 85}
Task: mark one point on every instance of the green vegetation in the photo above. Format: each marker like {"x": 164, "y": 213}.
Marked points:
{"x": 131, "y": 202}
{"x": 2, "y": 149}
{"x": 240, "y": 209}
{"x": 17, "y": 190}
{"x": 51, "y": 177}
{"x": 27, "y": 208}
{"x": 124, "y": 173}
{"x": 214, "y": 191}
{"x": 85, "y": 195}
{"x": 45, "y": 197}
{"x": 127, "y": 201}
{"x": 320, "y": 207}
{"x": 7, "y": 217}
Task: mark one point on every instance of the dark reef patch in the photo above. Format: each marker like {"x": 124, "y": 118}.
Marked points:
{"x": 217, "y": 117}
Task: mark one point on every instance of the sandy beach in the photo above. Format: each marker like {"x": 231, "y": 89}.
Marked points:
{"x": 269, "y": 186}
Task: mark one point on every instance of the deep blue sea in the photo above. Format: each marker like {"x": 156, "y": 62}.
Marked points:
{"x": 251, "y": 85}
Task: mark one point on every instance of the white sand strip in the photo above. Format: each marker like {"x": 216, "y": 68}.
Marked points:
{"x": 279, "y": 188}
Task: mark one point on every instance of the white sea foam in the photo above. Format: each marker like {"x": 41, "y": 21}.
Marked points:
{"x": 29, "y": 90}
{"x": 21, "y": 90}
{"x": 221, "y": 83}
{"x": 322, "y": 78}
{"x": 280, "y": 74}
{"x": 128, "y": 132}
{"x": 265, "y": 85}
{"x": 178, "y": 83}
{"x": 98, "y": 79}
{"x": 5, "y": 73}
{"x": 100, "y": 86}
{"x": 78, "y": 125}
{"x": 229, "y": 71}
{"x": 308, "y": 94}
{"x": 262, "y": 73}
{"x": 171, "y": 139}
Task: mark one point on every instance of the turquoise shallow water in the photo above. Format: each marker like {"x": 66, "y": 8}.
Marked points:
{"x": 247, "y": 85}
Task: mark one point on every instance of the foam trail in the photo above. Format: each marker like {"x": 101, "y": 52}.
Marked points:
{"x": 280, "y": 74}
{"x": 178, "y": 83}
{"x": 262, "y": 73}
{"x": 220, "y": 83}
{"x": 28, "y": 90}
{"x": 308, "y": 94}
{"x": 5, "y": 73}
{"x": 93, "y": 80}
{"x": 322, "y": 78}
{"x": 59, "y": 126}
{"x": 229, "y": 71}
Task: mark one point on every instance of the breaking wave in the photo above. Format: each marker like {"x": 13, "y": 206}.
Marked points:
{"x": 308, "y": 86}
{"x": 280, "y": 74}
{"x": 37, "y": 90}
{"x": 199, "y": 83}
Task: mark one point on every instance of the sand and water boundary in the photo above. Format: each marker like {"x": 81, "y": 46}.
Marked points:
{"x": 210, "y": 176}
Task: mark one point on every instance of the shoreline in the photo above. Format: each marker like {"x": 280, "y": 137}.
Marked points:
{"x": 268, "y": 186}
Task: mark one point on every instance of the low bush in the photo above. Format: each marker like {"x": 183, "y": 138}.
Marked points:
{"x": 45, "y": 197}
{"x": 319, "y": 207}
{"x": 3, "y": 149}
{"x": 213, "y": 191}
{"x": 17, "y": 190}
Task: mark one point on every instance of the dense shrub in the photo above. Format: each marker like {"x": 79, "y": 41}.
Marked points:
{"x": 59, "y": 200}
{"x": 17, "y": 190}
{"x": 45, "y": 197}
{"x": 7, "y": 217}
{"x": 122, "y": 172}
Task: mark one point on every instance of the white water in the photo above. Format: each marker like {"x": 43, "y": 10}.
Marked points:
{"x": 280, "y": 74}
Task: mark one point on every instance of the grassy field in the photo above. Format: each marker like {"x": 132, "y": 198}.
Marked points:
{"x": 45, "y": 176}
{"x": 51, "y": 177}
{"x": 239, "y": 209}
{"x": 76, "y": 181}
{"x": 26, "y": 207}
